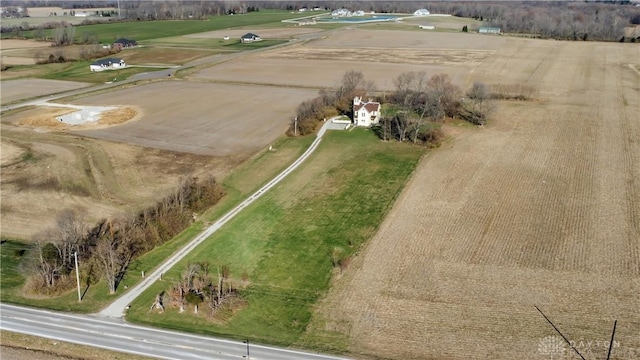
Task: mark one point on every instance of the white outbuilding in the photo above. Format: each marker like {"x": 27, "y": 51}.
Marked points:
{"x": 421, "y": 12}
{"x": 107, "y": 64}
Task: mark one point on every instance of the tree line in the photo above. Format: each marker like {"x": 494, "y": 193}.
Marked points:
{"x": 108, "y": 249}
{"x": 413, "y": 112}
{"x": 588, "y": 20}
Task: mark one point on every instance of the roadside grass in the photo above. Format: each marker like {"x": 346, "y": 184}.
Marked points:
{"x": 279, "y": 248}
{"x": 33, "y": 347}
{"x": 151, "y": 55}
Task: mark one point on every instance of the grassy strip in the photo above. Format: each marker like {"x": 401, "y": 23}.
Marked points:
{"x": 279, "y": 249}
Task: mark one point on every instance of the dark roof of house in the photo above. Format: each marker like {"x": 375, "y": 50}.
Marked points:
{"x": 107, "y": 61}
{"x": 369, "y": 106}
{"x": 124, "y": 41}
{"x": 249, "y": 36}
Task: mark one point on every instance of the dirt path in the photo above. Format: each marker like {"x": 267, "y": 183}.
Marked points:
{"x": 542, "y": 208}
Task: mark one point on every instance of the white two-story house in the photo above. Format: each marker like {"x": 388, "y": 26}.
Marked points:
{"x": 365, "y": 113}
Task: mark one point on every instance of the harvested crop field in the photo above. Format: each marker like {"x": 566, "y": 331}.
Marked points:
{"x": 14, "y": 90}
{"x": 388, "y": 53}
{"x": 201, "y": 118}
{"x": 540, "y": 208}
{"x": 44, "y": 173}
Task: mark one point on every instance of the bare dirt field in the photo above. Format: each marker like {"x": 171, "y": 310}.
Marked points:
{"x": 382, "y": 55}
{"x": 202, "y": 118}
{"x": 14, "y": 90}
{"x": 539, "y": 208}
{"x": 20, "y": 52}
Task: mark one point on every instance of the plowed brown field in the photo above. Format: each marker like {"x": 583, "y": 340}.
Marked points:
{"x": 540, "y": 208}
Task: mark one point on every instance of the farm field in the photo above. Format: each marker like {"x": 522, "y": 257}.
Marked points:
{"x": 388, "y": 53}
{"x": 226, "y": 120}
{"x": 45, "y": 172}
{"x": 539, "y": 208}
{"x": 14, "y": 90}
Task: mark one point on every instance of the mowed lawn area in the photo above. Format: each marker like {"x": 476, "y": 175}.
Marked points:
{"x": 279, "y": 249}
{"x": 145, "y": 30}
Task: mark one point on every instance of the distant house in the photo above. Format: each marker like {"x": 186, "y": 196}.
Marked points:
{"x": 489, "y": 30}
{"x": 123, "y": 43}
{"x": 421, "y": 12}
{"x": 341, "y": 12}
{"x": 107, "y": 64}
{"x": 249, "y": 37}
{"x": 365, "y": 113}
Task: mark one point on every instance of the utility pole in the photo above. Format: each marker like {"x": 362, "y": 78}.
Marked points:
{"x": 119, "y": 9}
{"x": 75, "y": 254}
{"x": 295, "y": 126}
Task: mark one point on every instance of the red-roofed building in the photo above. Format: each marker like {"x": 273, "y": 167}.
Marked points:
{"x": 365, "y": 113}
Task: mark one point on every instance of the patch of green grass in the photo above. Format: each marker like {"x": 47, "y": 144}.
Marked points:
{"x": 11, "y": 253}
{"x": 281, "y": 244}
{"x": 146, "y": 30}
{"x": 28, "y": 156}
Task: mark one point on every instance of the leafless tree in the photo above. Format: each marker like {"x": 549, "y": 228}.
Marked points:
{"x": 443, "y": 98}
{"x": 353, "y": 84}
{"x": 114, "y": 252}
{"x": 69, "y": 233}
{"x": 45, "y": 263}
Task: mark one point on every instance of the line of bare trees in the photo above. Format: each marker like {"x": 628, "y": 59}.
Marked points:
{"x": 586, "y": 20}
{"x": 108, "y": 249}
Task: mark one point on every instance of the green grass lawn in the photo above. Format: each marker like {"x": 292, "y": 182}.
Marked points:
{"x": 278, "y": 249}
{"x": 146, "y": 30}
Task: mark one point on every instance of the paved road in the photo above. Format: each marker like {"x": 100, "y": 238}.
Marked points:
{"x": 120, "y": 336}
{"x": 118, "y": 307}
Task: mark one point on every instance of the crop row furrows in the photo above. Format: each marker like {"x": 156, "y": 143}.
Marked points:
{"x": 610, "y": 251}
{"x": 627, "y": 86}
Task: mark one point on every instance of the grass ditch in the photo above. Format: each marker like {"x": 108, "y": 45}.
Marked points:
{"x": 279, "y": 249}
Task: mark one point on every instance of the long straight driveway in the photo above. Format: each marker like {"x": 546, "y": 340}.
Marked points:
{"x": 118, "y": 307}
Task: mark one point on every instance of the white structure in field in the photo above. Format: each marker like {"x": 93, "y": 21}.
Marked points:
{"x": 421, "y": 12}
{"x": 365, "y": 113}
{"x": 341, "y": 12}
{"x": 107, "y": 64}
